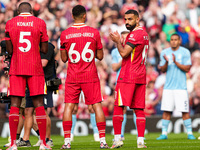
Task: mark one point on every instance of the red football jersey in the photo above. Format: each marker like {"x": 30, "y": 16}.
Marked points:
{"x": 26, "y": 32}
{"x": 81, "y": 42}
{"x": 133, "y": 68}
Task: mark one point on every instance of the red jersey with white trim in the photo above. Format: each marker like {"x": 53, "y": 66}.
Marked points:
{"x": 81, "y": 43}
{"x": 26, "y": 32}
{"x": 133, "y": 68}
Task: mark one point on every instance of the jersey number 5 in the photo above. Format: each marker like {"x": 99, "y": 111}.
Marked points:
{"x": 83, "y": 54}
{"x": 22, "y": 39}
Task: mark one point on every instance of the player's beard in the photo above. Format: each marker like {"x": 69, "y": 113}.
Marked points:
{"x": 130, "y": 27}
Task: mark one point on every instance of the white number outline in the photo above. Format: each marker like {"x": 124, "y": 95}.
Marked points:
{"x": 83, "y": 54}
{"x": 144, "y": 54}
{"x": 23, "y": 40}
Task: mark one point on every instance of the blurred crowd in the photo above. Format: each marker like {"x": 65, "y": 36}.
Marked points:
{"x": 160, "y": 18}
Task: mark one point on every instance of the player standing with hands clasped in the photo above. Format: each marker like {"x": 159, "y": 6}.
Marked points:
{"x": 176, "y": 61}
{"x": 26, "y": 36}
{"x": 80, "y": 44}
{"x": 131, "y": 83}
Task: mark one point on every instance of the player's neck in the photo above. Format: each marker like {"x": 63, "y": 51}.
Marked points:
{"x": 175, "y": 49}
{"x": 21, "y": 13}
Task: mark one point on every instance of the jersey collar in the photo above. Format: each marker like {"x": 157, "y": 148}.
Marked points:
{"x": 79, "y": 25}
{"x": 138, "y": 28}
{"x": 25, "y": 14}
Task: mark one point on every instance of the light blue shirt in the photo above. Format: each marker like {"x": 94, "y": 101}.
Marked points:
{"x": 116, "y": 58}
{"x": 175, "y": 78}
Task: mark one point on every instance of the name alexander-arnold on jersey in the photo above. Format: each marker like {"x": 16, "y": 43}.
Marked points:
{"x": 75, "y": 35}
{"x": 25, "y": 24}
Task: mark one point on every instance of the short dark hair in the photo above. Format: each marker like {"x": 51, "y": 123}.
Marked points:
{"x": 175, "y": 34}
{"x": 25, "y": 7}
{"x": 78, "y": 10}
{"x": 131, "y": 11}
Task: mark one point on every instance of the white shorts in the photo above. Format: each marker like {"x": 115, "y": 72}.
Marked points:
{"x": 172, "y": 99}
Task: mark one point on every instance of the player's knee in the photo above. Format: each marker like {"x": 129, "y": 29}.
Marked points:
{"x": 139, "y": 112}
{"x": 118, "y": 110}
{"x": 90, "y": 109}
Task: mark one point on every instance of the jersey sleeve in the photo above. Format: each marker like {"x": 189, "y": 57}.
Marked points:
{"x": 99, "y": 44}
{"x": 162, "y": 60}
{"x": 134, "y": 39}
{"x": 44, "y": 36}
{"x": 187, "y": 58}
{"x": 62, "y": 41}
{"x": 7, "y": 30}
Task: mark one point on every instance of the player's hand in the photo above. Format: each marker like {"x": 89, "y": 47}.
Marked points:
{"x": 115, "y": 37}
{"x": 6, "y": 73}
{"x": 165, "y": 57}
{"x": 173, "y": 58}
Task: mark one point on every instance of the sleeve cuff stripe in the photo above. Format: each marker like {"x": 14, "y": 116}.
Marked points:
{"x": 130, "y": 44}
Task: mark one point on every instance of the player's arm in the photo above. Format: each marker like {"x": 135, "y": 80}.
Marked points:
{"x": 9, "y": 47}
{"x": 64, "y": 56}
{"x": 99, "y": 54}
{"x": 124, "y": 51}
{"x": 164, "y": 62}
{"x": 116, "y": 66}
{"x": 185, "y": 68}
{"x": 164, "y": 67}
{"x": 44, "y": 62}
{"x": 44, "y": 47}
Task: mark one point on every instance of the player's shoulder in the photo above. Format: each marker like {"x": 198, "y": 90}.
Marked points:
{"x": 184, "y": 50}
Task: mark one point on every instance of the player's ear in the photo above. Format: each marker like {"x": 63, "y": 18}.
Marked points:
{"x": 84, "y": 16}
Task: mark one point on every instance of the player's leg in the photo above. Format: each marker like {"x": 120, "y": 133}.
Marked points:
{"x": 138, "y": 103}
{"x": 182, "y": 105}
{"x": 21, "y": 121}
{"x": 123, "y": 123}
{"x": 117, "y": 125}
{"x": 28, "y": 122}
{"x": 14, "y": 118}
{"x": 93, "y": 123}
{"x": 167, "y": 106}
{"x": 35, "y": 128}
{"x": 67, "y": 123}
{"x": 37, "y": 95}
{"x": 92, "y": 93}
{"x": 101, "y": 124}
{"x": 188, "y": 125}
{"x": 19, "y": 83}
{"x": 48, "y": 104}
{"x": 165, "y": 123}
{"x": 123, "y": 97}
{"x": 134, "y": 120}
{"x": 74, "y": 119}
{"x": 40, "y": 116}
{"x": 19, "y": 128}
{"x": 72, "y": 93}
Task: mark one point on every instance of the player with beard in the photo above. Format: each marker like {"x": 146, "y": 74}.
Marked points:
{"x": 131, "y": 83}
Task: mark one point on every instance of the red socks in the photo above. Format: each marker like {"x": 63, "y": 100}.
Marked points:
{"x": 101, "y": 128}
{"x": 41, "y": 121}
{"x": 67, "y": 125}
{"x": 117, "y": 119}
{"x": 13, "y": 123}
{"x": 140, "y": 121}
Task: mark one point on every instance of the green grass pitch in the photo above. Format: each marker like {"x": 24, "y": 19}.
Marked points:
{"x": 174, "y": 142}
